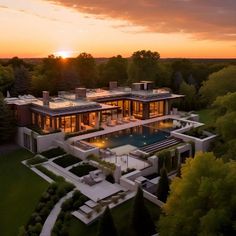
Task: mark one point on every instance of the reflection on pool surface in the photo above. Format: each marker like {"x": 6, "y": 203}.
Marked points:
{"x": 137, "y": 136}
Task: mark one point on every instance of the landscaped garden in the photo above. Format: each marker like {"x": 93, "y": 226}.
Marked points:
{"x": 82, "y": 170}
{"x": 66, "y": 160}
{"x": 43, "y": 208}
{"x": 122, "y": 217}
{"x": 16, "y": 201}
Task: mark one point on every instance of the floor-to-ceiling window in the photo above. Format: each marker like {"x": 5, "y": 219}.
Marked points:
{"x": 156, "y": 109}
{"x": 138, "y": 109}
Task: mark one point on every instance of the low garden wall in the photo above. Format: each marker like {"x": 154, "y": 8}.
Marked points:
{"x": 200, "y": 144}
{"x": 82, "y": 154}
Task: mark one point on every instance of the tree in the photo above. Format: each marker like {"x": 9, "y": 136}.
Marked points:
{"x": 86, "y": 68}
{"x": 177, "y": 81}
{"x": 141, "y": 219}
{"x": 7, "y": 121}
{"x": 6, "y": 78}
{"x": 106, "y": 225}
{"x": 190, "y": 100}
{"x": 202, "y": 202}
{"x": 225, "y": 112}
{"x": 114, "y": 70}
{"x": 218, "y": 84}
{"x": 143, "y": 66}
{"x": 163, "y": 186}
{"x": 164, "y": 74}
{"x": 22, "y": 81}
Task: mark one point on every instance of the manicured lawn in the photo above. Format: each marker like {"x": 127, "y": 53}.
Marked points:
{"x": 207, "y": 116}
{"x": 66, "y": 160}
{"x": 121, "y": 216}
{"x": 20, "y": 191}
{"x": 82, "y": 170}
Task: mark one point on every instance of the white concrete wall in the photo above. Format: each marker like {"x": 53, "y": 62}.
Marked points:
{"x": 152, "y": 198}
{"x": 129, "y": 184}
{"x": 82, "y": 154}
{"x": 44, "y": 142}
{"x": 201, "y": 145}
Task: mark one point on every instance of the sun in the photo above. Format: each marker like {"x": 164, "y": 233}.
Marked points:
{"x": 63, "y": 54}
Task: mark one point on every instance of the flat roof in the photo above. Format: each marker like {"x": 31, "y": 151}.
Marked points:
{"x": 71, "y": 110}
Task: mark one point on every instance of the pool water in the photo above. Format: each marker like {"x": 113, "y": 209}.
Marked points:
{"x": 137, "y": 136}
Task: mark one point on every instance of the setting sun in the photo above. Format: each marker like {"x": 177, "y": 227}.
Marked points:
{"x": 63, "y": 54}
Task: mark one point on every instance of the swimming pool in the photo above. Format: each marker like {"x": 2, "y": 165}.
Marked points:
{"x": 137, "y": 136}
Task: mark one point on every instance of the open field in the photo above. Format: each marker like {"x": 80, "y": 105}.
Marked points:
{"x": 20, "y": 191}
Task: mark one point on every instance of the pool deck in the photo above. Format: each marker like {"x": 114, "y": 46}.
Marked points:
{"x": 131, "y": 124}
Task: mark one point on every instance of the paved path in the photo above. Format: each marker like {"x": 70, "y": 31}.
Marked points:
{"x": 50, "y": 221}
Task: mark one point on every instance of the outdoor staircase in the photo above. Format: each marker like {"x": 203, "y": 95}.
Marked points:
{"x": 155, "y": 147}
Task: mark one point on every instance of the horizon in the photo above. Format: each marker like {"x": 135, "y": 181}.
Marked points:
{"x": 186, "y": 29}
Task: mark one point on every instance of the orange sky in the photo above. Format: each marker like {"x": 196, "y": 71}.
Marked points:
{"x": 37, "y": 28}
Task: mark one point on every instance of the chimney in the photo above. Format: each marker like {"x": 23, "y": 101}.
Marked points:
{"x": 148, "y": 85}
{"x": 113, "y": 85}
{"x": 45, "y": 98}
{"x": 80, "y": 93}
{"x": 137, "y": 86}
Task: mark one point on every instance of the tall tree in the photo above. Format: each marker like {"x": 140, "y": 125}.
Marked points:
{"x": 190, "y": 100}
{"x": 163, "y": 186}
{"x": 7, "y": 121}
{"x": 202, "y": 202}
{"x": 164, "y": 74}
{"x": 225, "y": 112}
{"x": 22, "y": 81}
{"x": 143, "y": 66}
{"x": 142, "y": 222}
{"x": 86, "y": 68}
{"x": 106, "y": 225}
{"x": 177, "y": 81}
{"x": 114, "y": 70}
{"x": 218, "y": 84}
{"x": 6, "y": 78}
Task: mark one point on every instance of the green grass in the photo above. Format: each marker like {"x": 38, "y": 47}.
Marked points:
{"x": 36, "y": 160}
{"x": 207, "y": 116}
{"x": 20, "y": 191}
{"x": 121, "y": 216}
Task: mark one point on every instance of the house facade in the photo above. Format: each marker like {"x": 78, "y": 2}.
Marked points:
{"x": 89, "y": 109}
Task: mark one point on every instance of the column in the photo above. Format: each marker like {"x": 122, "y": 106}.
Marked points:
{"x": 145, "y": 110}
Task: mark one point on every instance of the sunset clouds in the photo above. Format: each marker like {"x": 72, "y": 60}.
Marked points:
{"x": 203, "y": 19}
{"x": 104, "y": 28}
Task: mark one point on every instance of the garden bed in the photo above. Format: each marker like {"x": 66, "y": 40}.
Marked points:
{"x": 197, "y": 133}
{"x": 82, "y": 170}
{"x": 54, "y": 152}
{"x": 67, "y": 160}
{"x": 36, "y": 160}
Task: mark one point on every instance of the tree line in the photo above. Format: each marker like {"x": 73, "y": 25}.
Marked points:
{"x": 55, "y": 74}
